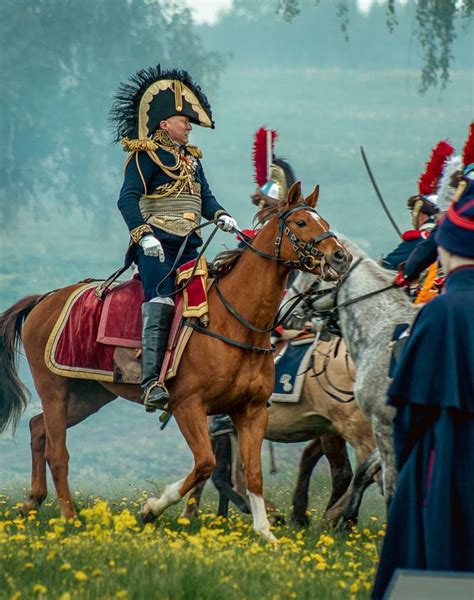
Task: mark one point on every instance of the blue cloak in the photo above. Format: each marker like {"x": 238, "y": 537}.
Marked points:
{"x": 431, "y": 517}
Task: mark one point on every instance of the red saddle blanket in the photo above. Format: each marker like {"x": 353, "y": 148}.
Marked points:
{"x": 98, "y": 339}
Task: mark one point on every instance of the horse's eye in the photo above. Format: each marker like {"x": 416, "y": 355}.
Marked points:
{"x": 301, "y": 223}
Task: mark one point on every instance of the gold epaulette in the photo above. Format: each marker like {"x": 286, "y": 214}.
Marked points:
{"x": 139, "y": 145}
{"x": 194, "y": 151}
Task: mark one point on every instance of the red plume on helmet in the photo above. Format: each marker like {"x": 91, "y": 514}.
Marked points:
{"x": 428, "y": 181}
{"x": 262, "y": 155}
{"x": 468, "y": 150}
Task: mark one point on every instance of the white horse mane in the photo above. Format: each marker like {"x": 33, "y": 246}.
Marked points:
{"x": 385, "y": 275}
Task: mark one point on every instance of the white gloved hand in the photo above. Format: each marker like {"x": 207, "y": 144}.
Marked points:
{"x": 152, "y": 247}
{"x": 227, "y": 223}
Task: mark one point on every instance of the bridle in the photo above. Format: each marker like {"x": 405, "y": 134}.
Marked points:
{"x": 309, "y": 255}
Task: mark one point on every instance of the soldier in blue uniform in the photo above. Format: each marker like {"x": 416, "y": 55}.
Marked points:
{"x": 163, "y": 197}
{"x": 423, "y": 210}
{"x": 431, "y": 521}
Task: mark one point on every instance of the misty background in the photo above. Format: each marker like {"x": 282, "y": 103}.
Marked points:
{"x": 328, "y": 83}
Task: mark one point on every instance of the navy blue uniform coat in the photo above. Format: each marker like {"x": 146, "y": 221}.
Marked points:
{"x": 152, "y": 271}
{"x": 431, "y": 518}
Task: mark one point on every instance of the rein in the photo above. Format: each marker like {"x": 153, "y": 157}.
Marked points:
{"x": 334, "y": 291}
{"x": 295, "y": 300}
{"x": 309, "y": 256}
{"x": 324, "y": 372}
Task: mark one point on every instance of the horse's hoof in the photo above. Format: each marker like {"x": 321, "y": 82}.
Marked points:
{"x": 147, "y": 515}
{"x": 276, "y": 519}
{"x": 300, "y": 520}
{"x": 345, "y": 525}
{"x": 29, "y": 506}
{"x": 24, "y": 511}
{"x": 267, "y": 535}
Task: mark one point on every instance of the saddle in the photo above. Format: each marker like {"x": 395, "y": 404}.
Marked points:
{"x": 98, "y": 336}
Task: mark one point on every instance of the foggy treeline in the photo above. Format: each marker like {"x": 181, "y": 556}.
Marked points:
{"x": 324, "y": 35}
{"x": 63, "y": 59}
{"x": 61, "y": 63}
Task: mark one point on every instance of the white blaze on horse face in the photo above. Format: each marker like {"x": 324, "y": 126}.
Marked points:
{"x": 170, "y": 496}
{"x": 261, "y": 524}
{"x": 317, "y": 218}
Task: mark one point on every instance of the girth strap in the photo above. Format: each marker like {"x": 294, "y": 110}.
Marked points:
{"x": 227, "y": 340}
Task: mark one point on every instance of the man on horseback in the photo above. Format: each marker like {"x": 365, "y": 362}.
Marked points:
{"x": 425, "y": 253}
{"x": 433, "y": 428}
{"x": 163, "y": 196}
{"x": 423, "y": 207}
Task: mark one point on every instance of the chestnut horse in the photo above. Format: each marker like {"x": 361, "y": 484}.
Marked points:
{"x": 227, "y": 368}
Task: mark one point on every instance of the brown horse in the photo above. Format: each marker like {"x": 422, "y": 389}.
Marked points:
{"x": 326, "y": 416}
{"x": 234, "y": 375}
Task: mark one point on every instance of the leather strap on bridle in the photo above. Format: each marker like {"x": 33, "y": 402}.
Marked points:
{"x": 307, "y": 252}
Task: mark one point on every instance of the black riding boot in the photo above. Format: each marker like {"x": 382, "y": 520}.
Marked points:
{"x": 156, "y": 318}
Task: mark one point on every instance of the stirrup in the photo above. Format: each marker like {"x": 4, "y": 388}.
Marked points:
{"x": 155, "y": 397}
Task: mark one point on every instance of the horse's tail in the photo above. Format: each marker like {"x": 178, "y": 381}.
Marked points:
{"x": 14, "y": 395}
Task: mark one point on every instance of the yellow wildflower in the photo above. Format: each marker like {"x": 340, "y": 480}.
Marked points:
{"x": 80, "y": 576}
{"x": 39, "y": 588}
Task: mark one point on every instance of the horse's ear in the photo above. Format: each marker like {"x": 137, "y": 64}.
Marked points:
{"x": 294, "y": 194}
{"x": 313, "y": 198}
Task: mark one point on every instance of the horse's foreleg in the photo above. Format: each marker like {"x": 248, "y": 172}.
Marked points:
{"x": 192, "y": 421}
{"x": 310, "y": 457}
{"x": 251, "y": 427}
{"x": 363, "y": 478}
{"x": 222, "y": 477}
{"x": 335, "y": 449}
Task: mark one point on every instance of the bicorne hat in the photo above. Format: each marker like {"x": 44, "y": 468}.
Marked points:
{"x": 153, "y": 95}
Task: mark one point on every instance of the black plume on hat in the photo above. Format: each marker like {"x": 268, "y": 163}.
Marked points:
{"x": 175, "y": 100}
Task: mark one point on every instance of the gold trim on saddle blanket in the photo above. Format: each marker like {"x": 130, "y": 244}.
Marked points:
{"x": 202, "y": 309}
{"x": 176, "y": 214}
{"x": 131, "y": 374}
{"x": 49, "y": 351}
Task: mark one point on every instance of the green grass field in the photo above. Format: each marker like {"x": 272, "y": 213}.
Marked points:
{"x": 107, "y": 553}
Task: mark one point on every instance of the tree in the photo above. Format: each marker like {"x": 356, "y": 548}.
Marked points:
{"x": 436, "y": 20}
{"x": 61, "y": 62}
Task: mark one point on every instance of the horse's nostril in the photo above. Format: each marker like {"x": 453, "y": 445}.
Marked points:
{"x": 339, "y": 256}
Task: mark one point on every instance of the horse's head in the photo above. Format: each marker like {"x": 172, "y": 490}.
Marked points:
{"x": 304, "y": 239}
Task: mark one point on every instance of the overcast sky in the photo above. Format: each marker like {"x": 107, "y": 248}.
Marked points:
{"x": 207, "y": 11}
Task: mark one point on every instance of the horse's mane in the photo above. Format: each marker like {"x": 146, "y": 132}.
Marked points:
{"x": 386, "y": 276}
{"x": 224, "y": 262}
{"x": 267, "y": 212}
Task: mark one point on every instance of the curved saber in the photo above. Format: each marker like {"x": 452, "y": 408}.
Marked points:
{"x": 379, "y": 195}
